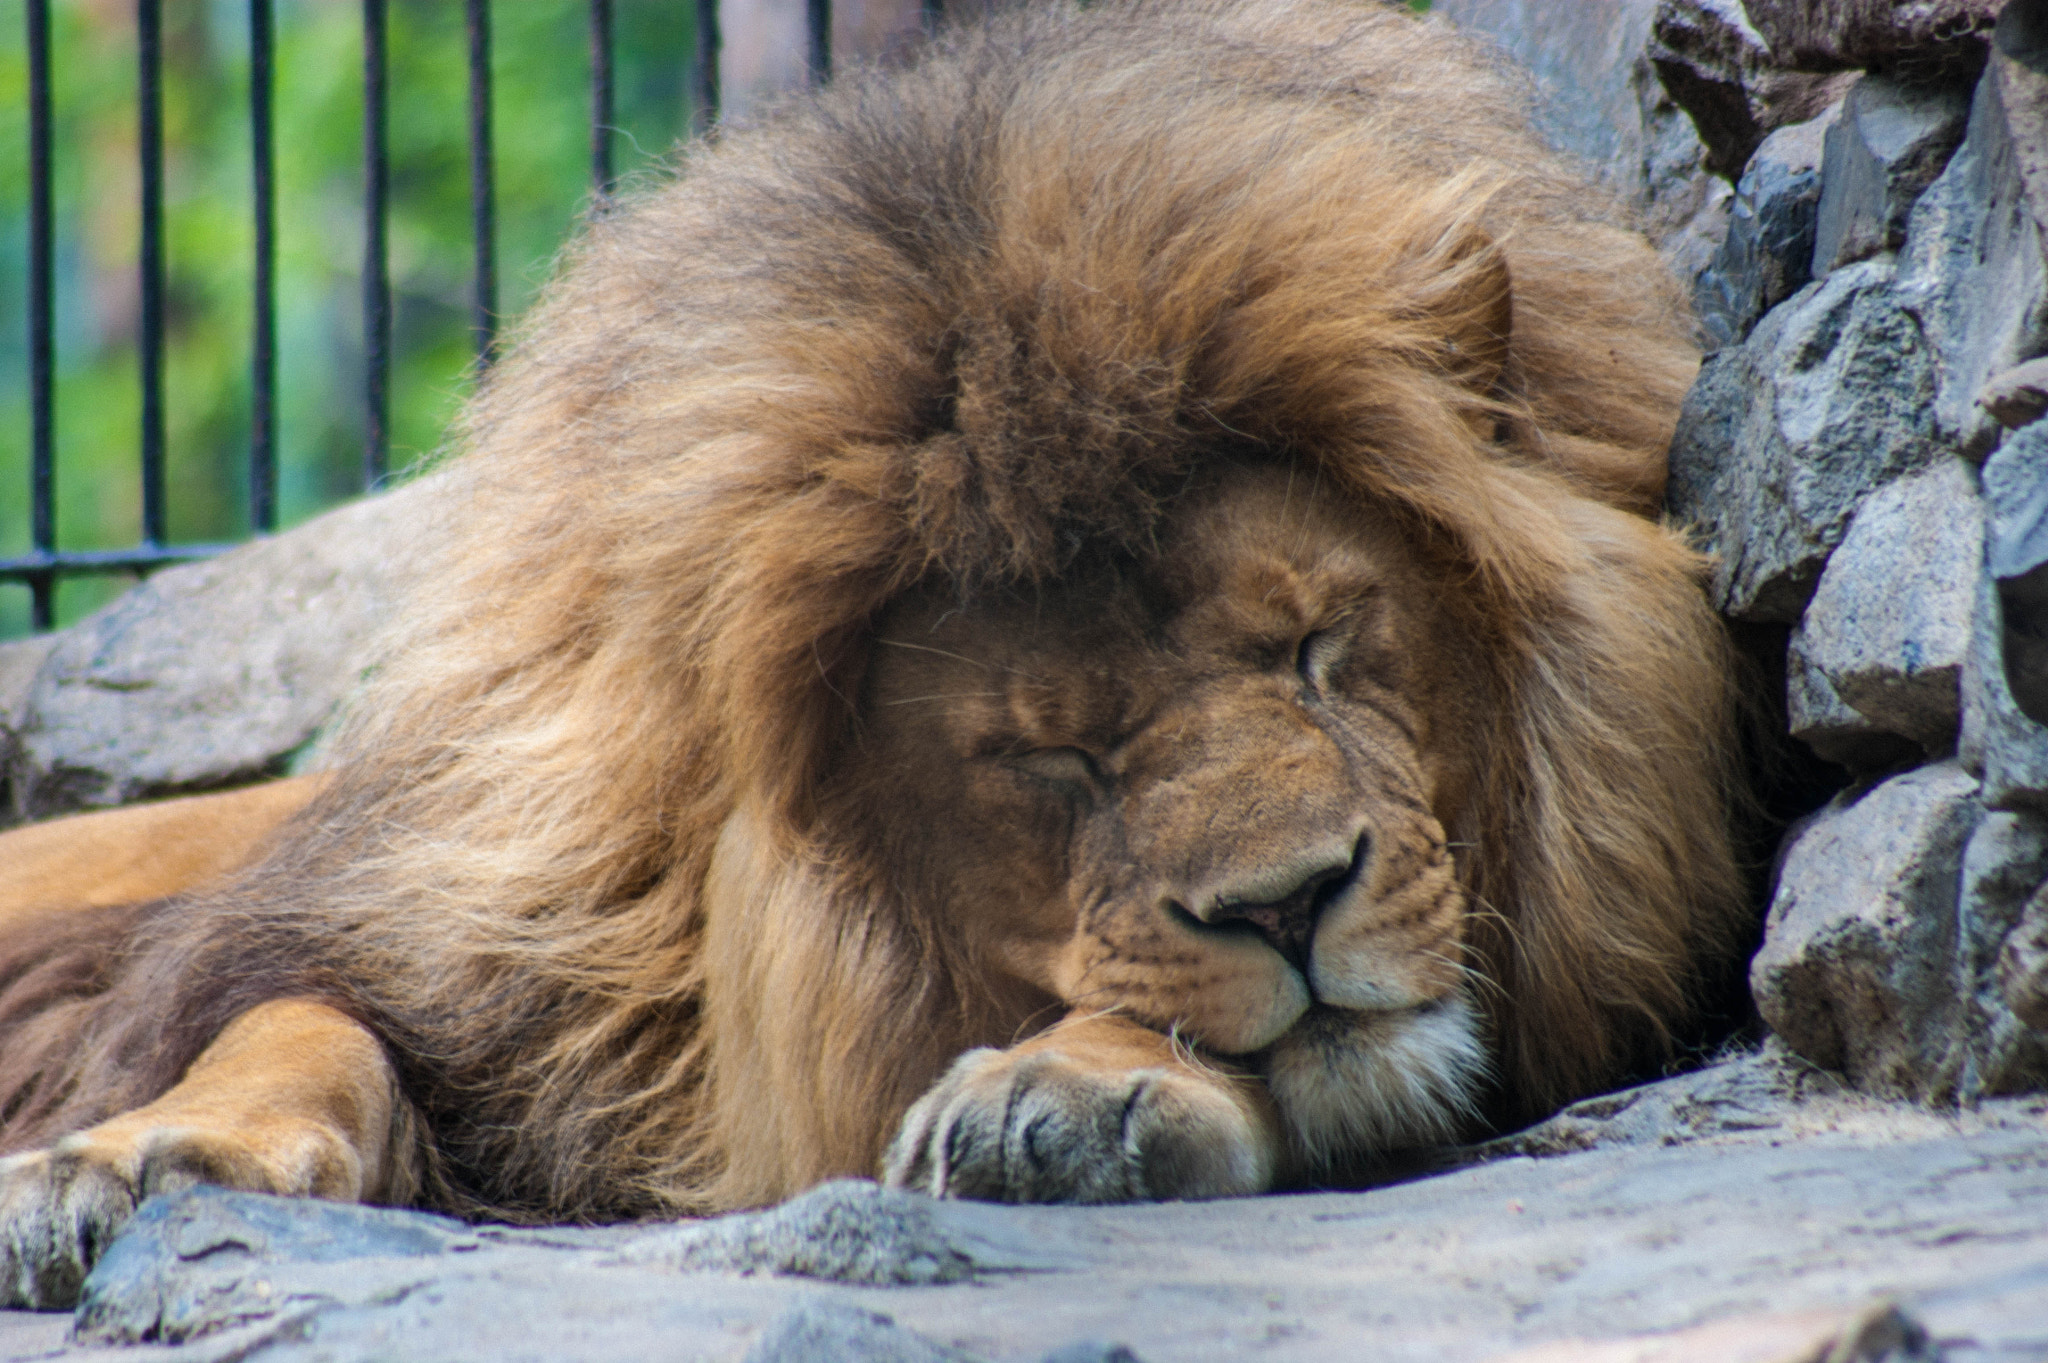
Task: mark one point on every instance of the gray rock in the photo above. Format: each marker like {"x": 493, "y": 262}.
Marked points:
{"x": 1783, "y": 436}
{"x": 1999, "y": 740}
{"x": 1837, "y": 731}
{"x": 1715, "y": 66}
{"x": 827, "y": 1331}
{"x": 2019, "y": 396}
{"x": 1892, "y": 140}
{"x": 216, "y": 672}
{"x": 1779, "y": 1193}
{"x": 1857, "y": 971}
{"x": 2016, "y": 489}
{"x": 1770, "y": 1089}
{"x": 2022, "y": 980}
{"x": 20, "y": 660}
{"x": 1971, "y": 269}
{"x": 849, "y": 1232}
{"x": 1767, "y": 254}
{"x": 1889, "y": 624}
{"x": 1092, "y": 1351}
{"x": 1999, "y": 918}
{"x": 1826, "y": 35}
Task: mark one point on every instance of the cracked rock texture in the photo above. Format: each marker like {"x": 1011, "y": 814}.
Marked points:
{"x": 1758, "y": 1209}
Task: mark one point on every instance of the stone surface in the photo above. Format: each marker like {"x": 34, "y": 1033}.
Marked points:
{"x": 2005, "y": 866}
{"x": 1999, "y": 740}
{"x": 1732, "y": 1198}
{"x": 1828, "y": 34}
{"x": 2016, "y": 561}
{"x": 1889, "y": 624}
{"x": 2016, "y": 398}
{"x": 1857, "y": 969}
{"x": 813, "y": 1331}
{"x": 1767, "y": 254}
{"x": 1818, "y": 717}
{"x": 1971, "y": 269}
{"x": 217, "y": 672}
{"x": 1715, "y": 66}
{"x": 1783, "y": 436}
{"x": 1599, "y": 99}
{"x": 1893, "y": 138}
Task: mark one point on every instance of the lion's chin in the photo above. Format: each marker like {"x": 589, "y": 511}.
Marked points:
{"x": 1352, "y": 1084}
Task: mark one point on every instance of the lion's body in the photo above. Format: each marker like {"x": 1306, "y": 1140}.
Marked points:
{"x": 1107, "y": 343}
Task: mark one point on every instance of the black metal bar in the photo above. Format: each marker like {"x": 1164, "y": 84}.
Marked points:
{"x": 41, "y": 317}
{"x": 483, "y": 316}
{"x": 601, "y": 96}
{"x": 149, "y": 99}
{"x": 933, "y": 13}
{"x": 709, "y": 41}
{"x": 34, "y": 568}
{"x": 263, "y": 339}
{"x": 376, "y": 278}
{"x": 818, "y": 18}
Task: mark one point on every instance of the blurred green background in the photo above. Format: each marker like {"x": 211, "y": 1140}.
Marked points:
{"x": 540, "y": 66}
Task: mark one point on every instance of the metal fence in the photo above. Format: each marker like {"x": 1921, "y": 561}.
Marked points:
{"x": 45, "y": 564}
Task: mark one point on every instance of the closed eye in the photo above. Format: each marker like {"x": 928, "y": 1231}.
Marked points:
{"x": 1070, "y": 765}
{"x": 1318, "y": 654}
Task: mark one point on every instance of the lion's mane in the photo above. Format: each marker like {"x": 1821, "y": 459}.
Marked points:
{"x": 962, "y": 321}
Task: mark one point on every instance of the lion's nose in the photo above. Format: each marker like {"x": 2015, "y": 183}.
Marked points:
{"x": 1287, "y": 920}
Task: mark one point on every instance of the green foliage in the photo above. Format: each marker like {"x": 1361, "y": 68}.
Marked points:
{"x": 541, "y": 113}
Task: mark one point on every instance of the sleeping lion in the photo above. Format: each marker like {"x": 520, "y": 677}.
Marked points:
{"x": 1084, "y": 621}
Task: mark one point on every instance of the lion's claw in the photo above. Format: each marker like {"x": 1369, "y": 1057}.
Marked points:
{"x": 57, "y": 1212}
{"x": 1036, "y": 1127}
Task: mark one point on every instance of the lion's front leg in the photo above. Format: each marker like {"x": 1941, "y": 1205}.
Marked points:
{"x": 1099, "y": 1109}
{"x": 291, "y": 1097}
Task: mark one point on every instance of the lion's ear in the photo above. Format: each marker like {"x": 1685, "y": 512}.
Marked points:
{"x": 1478, "y": 310}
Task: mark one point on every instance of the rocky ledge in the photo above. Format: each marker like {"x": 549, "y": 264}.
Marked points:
{"x": 1757, "y": 1211}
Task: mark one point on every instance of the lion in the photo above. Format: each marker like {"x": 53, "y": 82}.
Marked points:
{"x": 1081, "y": 621}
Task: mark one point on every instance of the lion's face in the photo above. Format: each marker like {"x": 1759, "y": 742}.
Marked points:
{"x": 1210, "y": 792}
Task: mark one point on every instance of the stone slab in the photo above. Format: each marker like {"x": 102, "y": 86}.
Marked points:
{"x": 1790, "y": 1200}
{"x": 215, "y": 673}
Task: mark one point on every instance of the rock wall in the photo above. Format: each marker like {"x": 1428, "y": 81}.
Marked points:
{"x": 1862, "y": 455}
{"x": 1856, "y": 191}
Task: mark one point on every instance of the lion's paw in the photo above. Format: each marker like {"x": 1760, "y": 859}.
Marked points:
{"x": 60, "y": 1207}
{"x": 1001, "y": 1126}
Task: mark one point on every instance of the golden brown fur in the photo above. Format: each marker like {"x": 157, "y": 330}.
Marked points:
{"x": 610, "y": 863}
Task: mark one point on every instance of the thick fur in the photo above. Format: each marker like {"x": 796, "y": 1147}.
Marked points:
{"x": 966, "y": 329}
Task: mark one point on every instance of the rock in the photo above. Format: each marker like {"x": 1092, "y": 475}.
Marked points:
{"x": 216, "y": 672}
{"x": 1971, "y": 269}
{"x": 2016, "y": 488}
{"x": 1714, "y": 66}
{"x": 1892, "y": 140}
{"x": 849, "y": 1232}
{"x": 1818, "y": 717}
{"x": 2023, "y": 978}
{"x": 2016, "y": 398}
{"x": 1856, "y": 972}
{"x": 1783, "y": 436}
{"x": 1828, "y": 35}
{"x": 1092, "y": 1351}
{"x": 1769, "y": 1089}
{"x": 2004, "y": 867}
{"x": 1767, "y": 254}
{"x": 20, "y": 660}
{"x": 1889, "y": 624}
{"x": 1999, "y": 741}
{"x": 1779, "y": 1193}
{"x": 818, "y": 1331}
